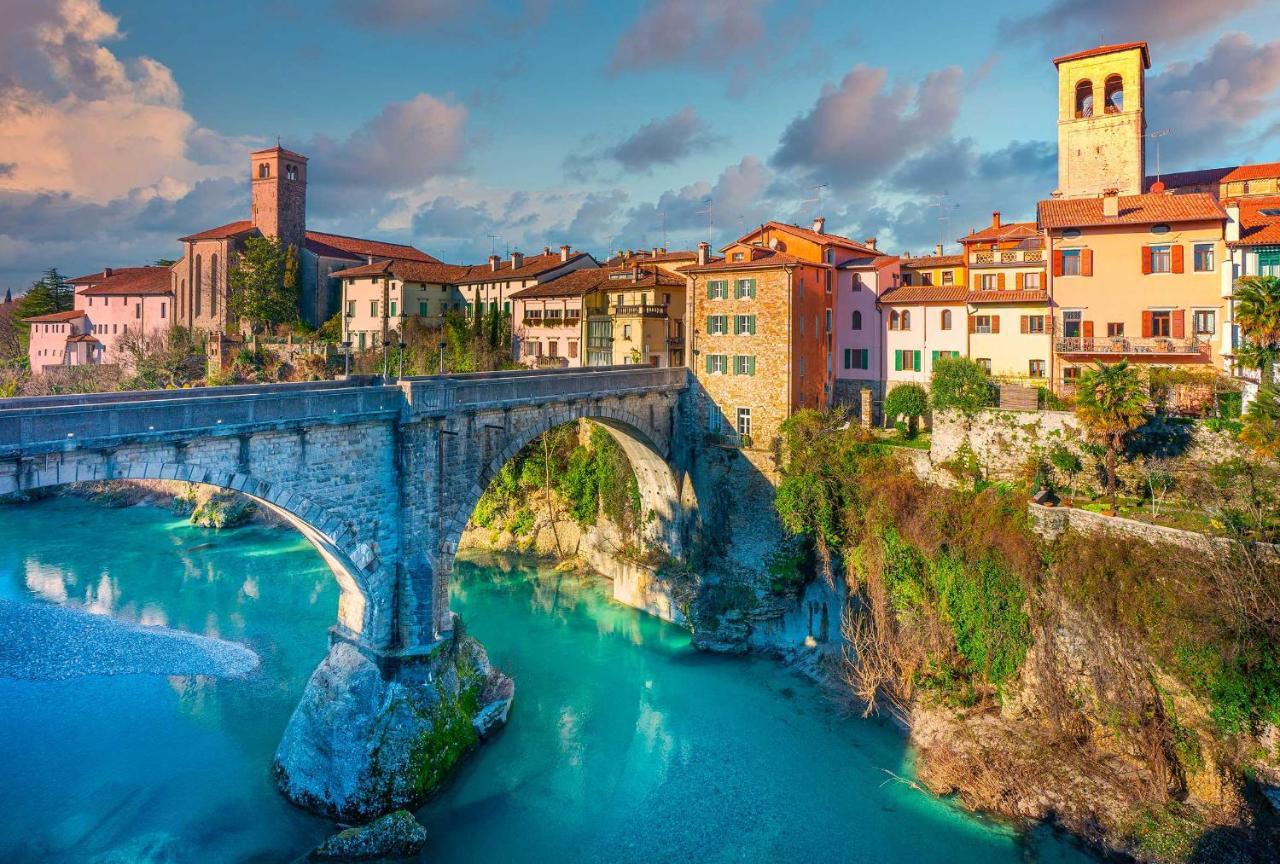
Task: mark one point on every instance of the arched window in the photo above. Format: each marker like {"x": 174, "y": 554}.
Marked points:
{"x": 906, "y": 320}
{"x": 857, "y": 320}
{"x": 894, "y": 320}
{"x": 183, "y": 301}
{"x": 196, "y": 286}
{"x": 946, "y": 319}
{"x": 213, "y": 285}
{"x": 264, "y": 170}
{"x": 1084, "y": 98}
{"x": 1113, "y": 95}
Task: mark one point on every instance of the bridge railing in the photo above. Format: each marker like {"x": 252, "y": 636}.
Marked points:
{"x": 443, "y": 394}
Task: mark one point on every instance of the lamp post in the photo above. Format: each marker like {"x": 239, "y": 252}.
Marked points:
{"x": 401, "y": 372}
{"x": 346, "y": 359}
{"x": 386, "y": 343}
{"x": 442, "y": 347}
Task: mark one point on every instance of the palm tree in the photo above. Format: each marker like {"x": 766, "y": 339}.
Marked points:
{"x": 1111, "y": 401}
{"x": 1257, "y": 313}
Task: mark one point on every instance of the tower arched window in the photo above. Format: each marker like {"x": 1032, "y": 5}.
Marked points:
{"x": 213, "y": 285}
{"x": 291, "y": 172}
{"x": 857, "y": 320}
{"x": 1113, "y": 95}
{"x": 264, "y": 170}
{"x": 906, "y": 319}
{"x": 1084, "y": 98}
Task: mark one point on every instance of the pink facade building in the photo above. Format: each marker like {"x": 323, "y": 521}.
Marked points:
{"x": 859, "y": 330}
{"x": 547, "y": 318}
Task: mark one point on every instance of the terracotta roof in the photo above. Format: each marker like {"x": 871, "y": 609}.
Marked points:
{"x": 1258, "y": 228}
{"x": 650, "y": 277}
{"x": 879, "y": 262}
{"x": 409, "y": 271}
{"x": 222, "y": 232}
{"x": 282, "y": 151}
{"x": 1029, "y": 295}
{"x": 127, "y": 281}
{"x": 808, "y": 234}
{"x": 573, "y": 284}
{"x": 342, "y": 246}
{"x": 1008, "y": 231}
{"x": 650, "y": 258}
{"x": 925, "y": 294}
{"x": 532, "y": 267}
{"x": 1107, "y": 49}
{"x": 82, "y": 337}
{"x": 58, "y": 317}
{"x": 1216, "y": 176}
{"x": 1259, "y": 171}
{"x": 934, "y": 261}
{"x": 1133, "y": 210}
{"x": 761, "y": 257}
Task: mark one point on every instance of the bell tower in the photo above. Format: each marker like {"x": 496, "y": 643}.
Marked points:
{"x": 279, "y": 180}
{"x": 1101, "y": 120}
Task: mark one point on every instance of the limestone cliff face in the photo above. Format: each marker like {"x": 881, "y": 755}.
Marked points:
{"x": 360, "y": 745}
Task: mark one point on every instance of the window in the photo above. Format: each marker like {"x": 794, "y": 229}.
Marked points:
{"x": 895, "y": 320}
{"x": 1162, "y": 323}
{"x": 373, "y": 308}
{"x": 1070, "y": 262}
{"x": 737, "y": 256}
{"x": 1161, "y": 228}
{"x": 948, "y": 277}
{"x": 163, "y": 309}
{"x": 857, "y": 320}
{"x": 744, "y": 364}
{"x": 906, "y": 360}
{"x": 573, "y": 347}
{"x": 1161, "y": 259}
{"x": 1036, "y": 369}
{"x": 946, "y": 319}
{"x": 744, "y": 422}
{"x": 717, "y": 325}
{"x": 982, "y": 324}
{"x": 856, "y": 358}
{"x": 361, "y": 341}
{"x": 990, "y": 281}
{"x": 264, "y": 170}
{"x": 1202, "y": 257}
{"x": 717, "y": 364}
{"x": 718, "y": 289}
{"x": 291, "y": 172}
{"x": 393, "y": 308}
{"x": 857, "y": 281}
{"x": 744, "y": 324}
{"x": 1033, "y": 324}
{"x": 1115, "y": 329}
{"x": 351, "y": 308}
{"x": 137, "y": 311}
{"x": 1269, "y": 263}
{"x": 1071, "y": 319}
{"x": 1031, "y": 281}
{"x": 745, "y": 288}
{"x": 1084, "y": 99}
{"x": 1202, "y": 322}
{"x": 422, "y": 308}
{"x": 553, "y": 347}
{"x": 1070, "y": 374}
{"x": 626, "y": 330}
{"x": 1113, "y": 95}
{"x": 985, "y": 363}
{"x": 828, "y": 320}
{"x": 906, "y": 319}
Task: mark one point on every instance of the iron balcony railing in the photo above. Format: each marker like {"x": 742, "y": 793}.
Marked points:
{"x": 641, "y": 310}
{"x": 1121, "y": 345}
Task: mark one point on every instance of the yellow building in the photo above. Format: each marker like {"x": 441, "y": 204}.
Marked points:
{"x": 645, "y": 308}
{"x": 1101, "y": 120}
{"x": 936, "y": 269}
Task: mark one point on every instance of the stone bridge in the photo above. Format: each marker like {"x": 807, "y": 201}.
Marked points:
{"x": 381, "y": 477}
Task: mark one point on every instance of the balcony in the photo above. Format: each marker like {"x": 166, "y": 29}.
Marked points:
{"x": 642, "y": 310}
{"x": 1027, "y": 252}
{"x": 1122, "y": 346}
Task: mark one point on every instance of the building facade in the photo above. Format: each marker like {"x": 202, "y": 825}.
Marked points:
{"x": 922, "y": 323}
{"x": 860, "y": 325}
{"x": 381, "y": 296}
{"x": 549, "y": 315}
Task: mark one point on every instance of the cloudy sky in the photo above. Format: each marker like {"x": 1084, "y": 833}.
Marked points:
{"x": 126, "y": 123}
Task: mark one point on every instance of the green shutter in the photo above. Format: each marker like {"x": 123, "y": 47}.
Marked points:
{"x": 866, "y": 363}
{"x": 711, "y": 291}
{"x": 935, "y": 358}
{"x": 709, "y": 317}
{"x": 897, "y": 360}
{"x": 751, "y": 365}
{"x": 708, "y": 364}
{"x": 751, "y": 325}
{"x": 917, "y": 360}
{"x": 848, "y": 358}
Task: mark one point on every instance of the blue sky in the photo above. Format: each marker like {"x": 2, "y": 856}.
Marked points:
{"x": 126, "y": 123}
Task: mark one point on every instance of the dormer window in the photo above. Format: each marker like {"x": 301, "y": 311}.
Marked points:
{"x": 264, "y": 171}
{"x": 1084, "y": 99}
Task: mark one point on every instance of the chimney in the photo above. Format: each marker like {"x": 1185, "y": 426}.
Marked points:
{"x": 517, "y": 260}
{"x": 1110, "y": 204}
{"x": 995, "y": 219}
{"x": 493, "y": 263}
{"x": 564, "y": 253}
{"x": 368, "y": 257}
{"x": 870, "y": 243}
{"x": 655, "y": 251}
{"x": 546, "y": 250}
{"x": 635, "y": 272}
{"x": 1233, "y": 221}
{"x": 937, "y": 250}
{"x": 106, "y": 272}
{"x": 818, "y": 224}
{"x": 704, "y": 252}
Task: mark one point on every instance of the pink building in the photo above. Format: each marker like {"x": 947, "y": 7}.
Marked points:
{"x": 547, "y": 317}
{"x": 107, "y": 306}
{"x": 859, "y": 330}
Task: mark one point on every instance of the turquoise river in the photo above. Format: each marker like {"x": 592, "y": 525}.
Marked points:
{"x": 624, "y": 744}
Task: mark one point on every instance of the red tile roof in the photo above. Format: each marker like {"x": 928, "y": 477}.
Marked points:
{"x": 58, "y": 317}
{"x": 925, "y": 294}
{"x": 1000, "y": 233}
{"x": 82, "y": 337}
{"x": 1027, "y": 295}
{"x": 576, "y": 283}
{"x": 432, "y": 272}
{"x": 1133, "y": 210}
{"x": 1107, "y": 49}
{"x": 761, "y": 257}
{"x": 532, "y": 267}
{"x": 808, "y": 234}
{"x": 342, "y": 246}
{"x": 222, "y": 232}
{"x": 127, "y": 281}
{"x": 650, "y": 277}
{"x": 282, "y": 151}
{"x": 933, "y": 261}
{"x": 1215, "y": 176}
{"x": 1258, "y": 171}
{"x": 1258, "y": 228}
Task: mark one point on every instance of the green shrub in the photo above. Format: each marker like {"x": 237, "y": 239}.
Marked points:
{"x": 909, "y": 401}
{"x": 959, "y": 384}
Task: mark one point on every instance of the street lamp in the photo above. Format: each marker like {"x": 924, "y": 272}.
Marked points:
{"x": 346, "y": 359}
{"x": 386, "y": 343}
{"x": 401, "y": 373}
{"x": 442, "y": 347}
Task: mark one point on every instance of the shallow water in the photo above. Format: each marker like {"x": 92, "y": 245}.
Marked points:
{"x": 624, "y": 743}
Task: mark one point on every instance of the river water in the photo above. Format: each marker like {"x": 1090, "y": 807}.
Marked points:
{"x": 624, "y": 744}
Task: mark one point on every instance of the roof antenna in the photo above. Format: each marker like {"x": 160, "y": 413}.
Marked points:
{"x": 817, "y": 192}
{"x": 707, "y": 201}
{"x": 1156, "y": 136}
{"x": 493, "y": 244}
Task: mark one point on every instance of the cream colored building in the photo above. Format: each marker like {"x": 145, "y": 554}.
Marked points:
{"x": 922, "y": 323}
{"x": 378, "y": 297}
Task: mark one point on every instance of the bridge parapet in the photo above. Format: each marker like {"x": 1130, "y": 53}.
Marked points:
{"x": 439, "y": 396}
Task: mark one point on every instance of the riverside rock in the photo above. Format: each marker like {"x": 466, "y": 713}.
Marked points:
{"x": 396, "y": 835}
{"x": 360, "y": 745}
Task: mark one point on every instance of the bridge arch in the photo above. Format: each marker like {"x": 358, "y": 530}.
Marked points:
{"x": 352, "y": 562}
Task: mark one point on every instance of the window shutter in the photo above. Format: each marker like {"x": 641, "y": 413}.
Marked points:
{"x": 897, "y": 360}
{"x": 934, "y": 358}
{"x": 848, "y": 358}
{"x": 708, "y": 364}
{"x": 866, "y": 363}
{"x": 751, "y": 325}
{"x": 1086, "y": 262}
{"x": 1179, "y": 317}
{"x": 1057, "y": 262}
{"x": 995, "y": 323}
{"x": 710, "y": 318}
{"x": 737, "y": 324}
{"x": 1176, "y": 255}
{"x": 977, "y": 282}
{"x": 751, "y": 365}
{"x": 915, "y": 359}
{"x": 1025, "y": 324}
{"x": 973, "y": 324}
{"x": 1000, "y": 281}
{"x": 1020, "y": 281}
{"x": 1146, "y": 262}
{"x": 1086, "y": 329}
{"x": 1146, "y": 323}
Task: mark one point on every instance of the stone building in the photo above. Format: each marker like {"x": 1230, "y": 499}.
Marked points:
{"x": 278, "y": 193}
{"x": 1101, "y": 120}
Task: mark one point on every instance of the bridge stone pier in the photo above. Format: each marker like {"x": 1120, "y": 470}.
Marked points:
{"x": 381, "y": 477}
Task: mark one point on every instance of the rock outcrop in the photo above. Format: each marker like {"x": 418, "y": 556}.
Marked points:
{"x": 396, "y": 835}
{"x": 360, "y": 745}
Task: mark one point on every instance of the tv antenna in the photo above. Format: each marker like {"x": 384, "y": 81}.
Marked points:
{"x": 707, "y": 201}
{"x": 1156, "y": 136}
{"x": 817, "y": 197}
{"x": 944, "y": 215}
{"x": 493, "y": 243}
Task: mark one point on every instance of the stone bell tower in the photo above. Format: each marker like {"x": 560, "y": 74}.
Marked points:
{"x": 279, "y": 179}
{"x": 1101, "y": 121}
